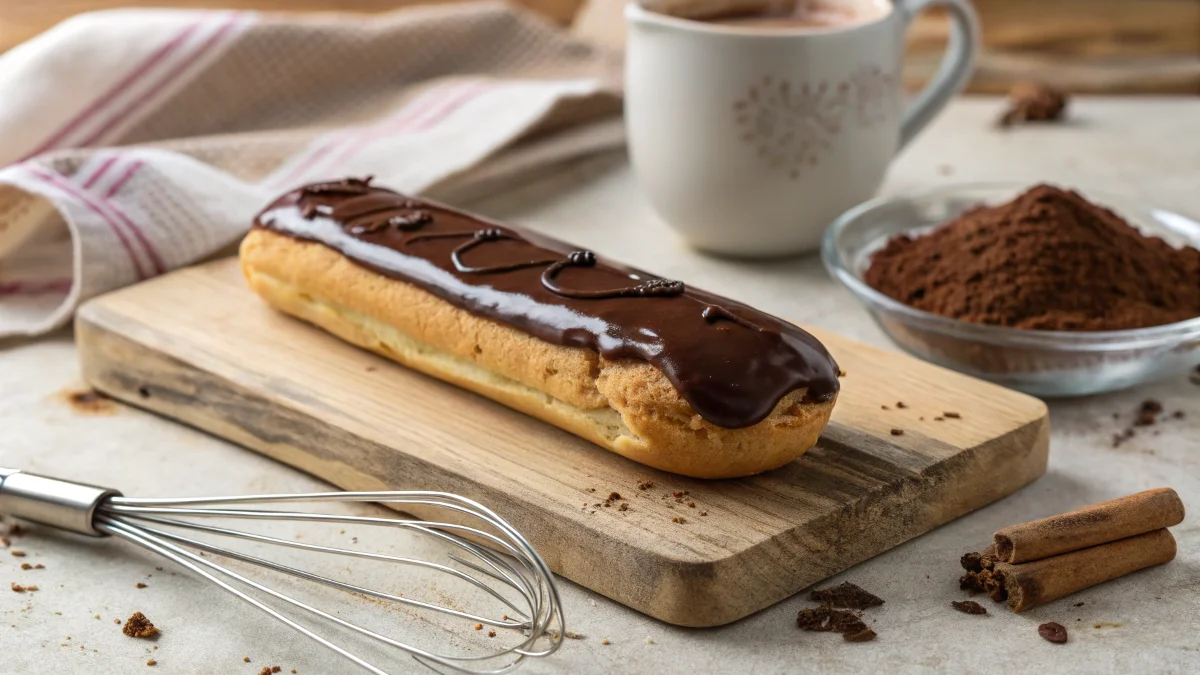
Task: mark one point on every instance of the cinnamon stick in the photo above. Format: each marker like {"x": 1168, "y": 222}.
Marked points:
{"x": 1089, "y": 526}
{"x": 1035, "y": 583}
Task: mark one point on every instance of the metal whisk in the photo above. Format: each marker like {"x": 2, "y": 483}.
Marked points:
{"x": 97, "y": 511}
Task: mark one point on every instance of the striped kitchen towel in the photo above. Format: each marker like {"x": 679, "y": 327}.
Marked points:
{"x": 137, "y": 141}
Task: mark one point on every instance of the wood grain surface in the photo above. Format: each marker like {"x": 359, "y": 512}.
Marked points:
{"x": 1095, "y": 46}
{"x": 1084, "y": 46}
{"x": 199, "y": 347}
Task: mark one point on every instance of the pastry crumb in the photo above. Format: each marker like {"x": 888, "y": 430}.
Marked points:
{"x": 138, "y": 626}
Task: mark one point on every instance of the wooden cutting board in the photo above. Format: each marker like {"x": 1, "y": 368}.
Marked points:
{"x": 199, "y": 347}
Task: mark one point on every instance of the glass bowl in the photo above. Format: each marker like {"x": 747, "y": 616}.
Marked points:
{"x": 1039, "y": 362}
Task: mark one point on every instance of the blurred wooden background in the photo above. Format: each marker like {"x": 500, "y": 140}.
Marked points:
{"x": 1108, "y": 46}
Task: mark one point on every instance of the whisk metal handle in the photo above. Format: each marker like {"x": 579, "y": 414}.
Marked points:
{"x": 50, "y": 501}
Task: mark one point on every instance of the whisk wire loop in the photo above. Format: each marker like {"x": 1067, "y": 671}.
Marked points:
{"x": 496, "y": 559}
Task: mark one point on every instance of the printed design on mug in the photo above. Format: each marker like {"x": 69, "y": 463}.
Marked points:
{"x": 791, "y": 126}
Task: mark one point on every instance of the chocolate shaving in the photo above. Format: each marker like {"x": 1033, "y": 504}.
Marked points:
{"x": 969, "y": 607}
{"x": 846, "y": 595}
{"x": 865, "y": 635}
{"x": 827, "y": 619}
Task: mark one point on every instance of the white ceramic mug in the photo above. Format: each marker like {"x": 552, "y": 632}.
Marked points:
{"x": 749, "y": 142}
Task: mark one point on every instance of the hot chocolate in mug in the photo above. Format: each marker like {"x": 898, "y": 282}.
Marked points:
{"x": 749, "y": 137}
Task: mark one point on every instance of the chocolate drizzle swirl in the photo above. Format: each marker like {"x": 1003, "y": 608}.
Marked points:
{"x": 732, "y": 363}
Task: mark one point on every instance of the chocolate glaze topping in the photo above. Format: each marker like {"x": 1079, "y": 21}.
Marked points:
{"x": 732, "y": 363}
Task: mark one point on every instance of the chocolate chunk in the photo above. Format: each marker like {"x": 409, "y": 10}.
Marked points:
{"x": 1053, "y": 632}
{"x": 1033, "y": 102}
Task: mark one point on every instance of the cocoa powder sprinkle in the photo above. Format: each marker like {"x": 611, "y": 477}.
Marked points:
{"x": 1048, "y": 260}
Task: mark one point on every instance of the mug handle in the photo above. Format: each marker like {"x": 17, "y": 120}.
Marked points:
{"x": 954, "y": 70}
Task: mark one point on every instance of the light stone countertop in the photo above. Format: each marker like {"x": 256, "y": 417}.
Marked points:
{"x": 1149, "y": 622}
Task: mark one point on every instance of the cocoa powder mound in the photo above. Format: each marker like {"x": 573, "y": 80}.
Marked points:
{"x": 1048, "y": 260}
